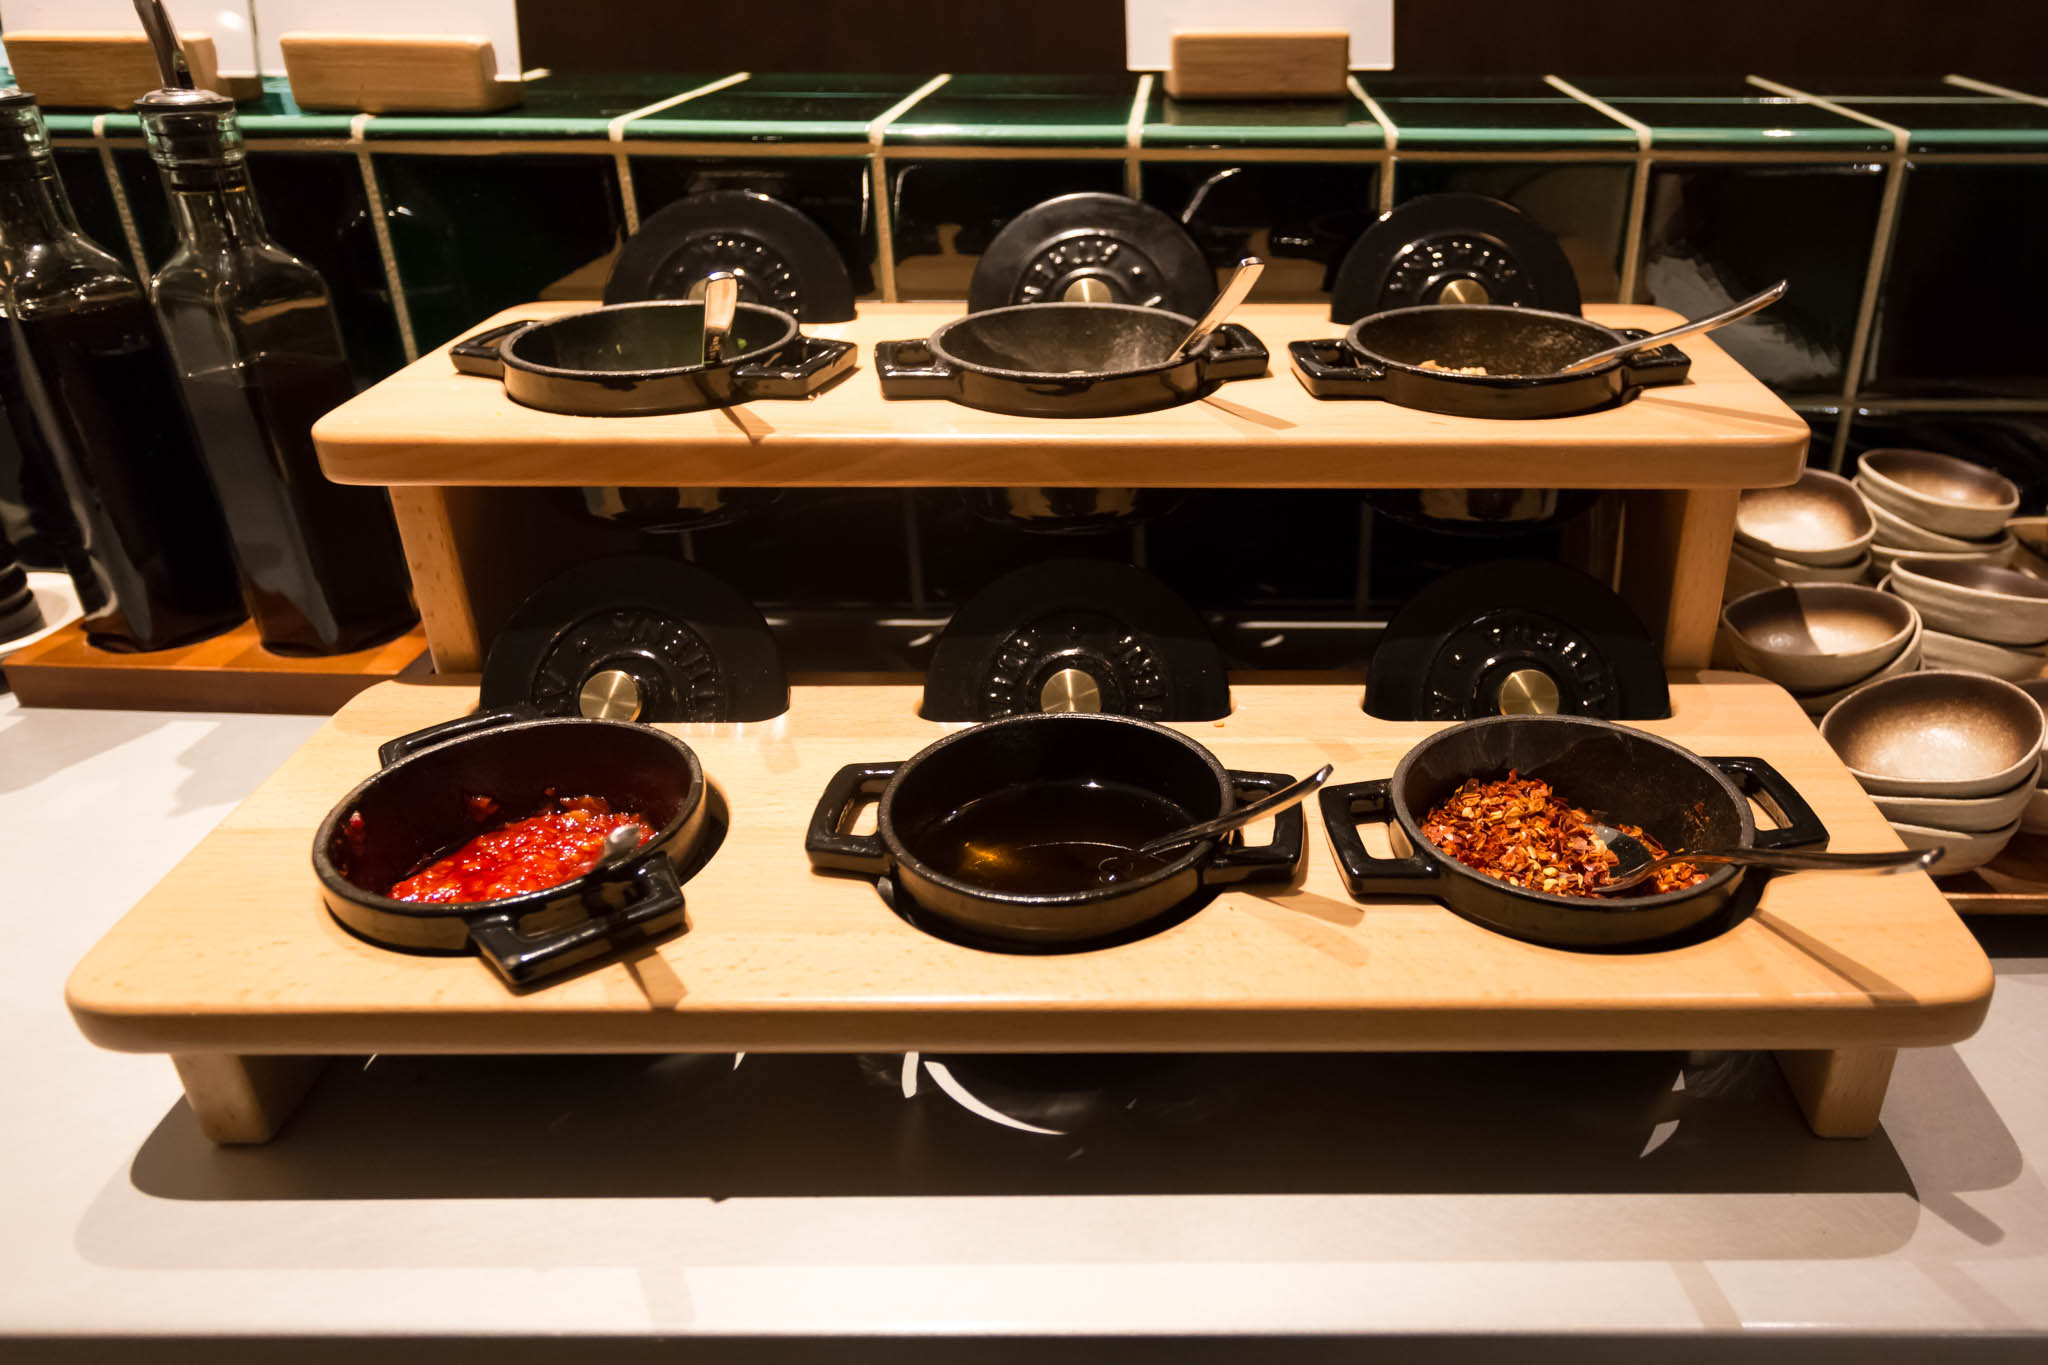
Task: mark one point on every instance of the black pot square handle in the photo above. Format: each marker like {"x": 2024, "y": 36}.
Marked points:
{"x": 1275, "y": 860}
{"x": 1347, "y": 807}
{"x": 654, "y": 897}
{"x": 1329, "y": 369}
{"x": 910, "y": 369}
{"x": 831, "y": 851}
{"x": 799, "y": 370}
{"x": 1798, "y": 825}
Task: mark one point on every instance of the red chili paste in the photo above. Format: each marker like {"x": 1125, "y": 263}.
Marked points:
{"x": 540, "y": 851}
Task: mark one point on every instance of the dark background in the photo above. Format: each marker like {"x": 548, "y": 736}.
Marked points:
{"x": 1990, "y": 39}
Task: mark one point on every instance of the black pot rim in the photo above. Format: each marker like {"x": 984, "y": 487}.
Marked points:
{"x": 1483, "y": 381}
{"x": 508, "y": 348}
{"x": 937, "y": 343}
{"x": 1723, "y": 876}
{"x": 1196, "y": 855}
{"x": 330, "y": 877}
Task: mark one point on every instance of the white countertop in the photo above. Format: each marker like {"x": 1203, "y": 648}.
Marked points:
{"x": 1625, "y": 1195}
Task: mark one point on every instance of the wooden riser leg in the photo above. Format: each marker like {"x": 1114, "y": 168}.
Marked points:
{"x": 1842, "y": 1091}
{"x": 244, "y": 1099}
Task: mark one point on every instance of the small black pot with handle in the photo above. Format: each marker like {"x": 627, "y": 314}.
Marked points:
{"x": 422, "y": 804}
{"x": 637, "y": 359}
{"x": 1067, "y": 360}
{"x": 1384, "y": 356}
{"x": 1620, "y": 775}
{"x": 915, "y": 796}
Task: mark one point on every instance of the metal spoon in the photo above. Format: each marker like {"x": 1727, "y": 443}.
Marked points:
{"x": 1120, "y": 864}
{"x": 1241, "y": 281}
{"x": 1755, "y": 303}
{"x": 721, "y": 301}
{"x": 1638, "y": 865}
{"x": 621, "y": 844}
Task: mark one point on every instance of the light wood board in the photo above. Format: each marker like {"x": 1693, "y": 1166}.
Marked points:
{"x": 233, "y": 953}
{"x": 429, "y": 425}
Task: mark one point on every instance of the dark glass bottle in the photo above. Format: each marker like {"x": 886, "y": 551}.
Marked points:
{"x": 260, "y": 358}
{"x": 94, "y": 401}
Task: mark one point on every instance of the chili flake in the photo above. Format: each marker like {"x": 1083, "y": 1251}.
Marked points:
{"x": 1517, "y": 830}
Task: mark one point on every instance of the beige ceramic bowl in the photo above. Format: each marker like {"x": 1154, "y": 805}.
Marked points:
{"x": 1981, "y": 601}
{"x": 1966, "y": 849}
{"x": 1971, "y": 814}
{"x": 1894, "y": 529}
{"x": 1792, "y": 571}
{"x": 1936, "y": 733}
{"x": 1818, "y": 704}
{"x": 1818, "y": 635}
{"x": 1821, "y": 519}
{"x": 1939, "y": 649}
{"x": 2032, "y": 534}
{"x": 1938, "y": 492}
{"x": 1999, "y": 554}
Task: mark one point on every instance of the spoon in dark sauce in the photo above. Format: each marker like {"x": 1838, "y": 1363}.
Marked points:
{"x": 1121, "y": 865}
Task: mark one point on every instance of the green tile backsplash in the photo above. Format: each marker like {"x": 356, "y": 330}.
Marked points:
{"x": 1026, "y": 111}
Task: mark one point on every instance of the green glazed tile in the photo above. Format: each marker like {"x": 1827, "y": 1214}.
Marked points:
{"x": 1460, "y": 113}
{"x": 1054, "y": 111}
{"x": 1940, "y": 116}
{"x": 554, "y": 106}
{"x": 834, "y": 108}
{"x": 1730, "y": 113}
{"x": 276, "y": 114}
{"x": 1260, "y": 123}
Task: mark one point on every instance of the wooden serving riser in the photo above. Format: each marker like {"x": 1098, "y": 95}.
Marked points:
{"x": 231, "y": 671}
{"x": 232, "y": 965}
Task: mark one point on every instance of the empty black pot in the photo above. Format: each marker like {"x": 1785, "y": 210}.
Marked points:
{"x": 1383, "y": 356}
{"x": 1067, "y": 360}
{"x": 636, "y": 359}
{"x": 422, "y": 804}
{"x": 1619, "y": 775}
{"x": 918, "y": 795}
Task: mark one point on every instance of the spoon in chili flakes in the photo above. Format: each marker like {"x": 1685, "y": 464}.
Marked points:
{"x": 1636, "y": 864}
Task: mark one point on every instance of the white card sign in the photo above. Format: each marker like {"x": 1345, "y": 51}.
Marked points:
{"x": 226, "y": 22}
{"x": 497, "y": 20}
{"x": 1149, "y": 26}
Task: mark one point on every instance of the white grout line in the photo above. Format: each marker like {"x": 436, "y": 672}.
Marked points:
{"x": 1391, "y": 131}
{"x": 885, "y": 236}
{"x": 128, "y": 228}
{"x": 1639, "y": 189}
{"x": 615, "y": 133}
{"x": 1134, "y": 138}
{"x": 1986, "y": 87}
{"x": 374, "y": 198}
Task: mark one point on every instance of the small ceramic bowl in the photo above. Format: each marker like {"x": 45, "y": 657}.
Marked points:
{"x": 1966, "y": 849}
{"x": 1746, "y": 576}
{"x": 2032, "y": 534}
{"x": 1792, "y": 571}
{"x": 1938, "y": 492}
{"x": 1972, "y": 814}
{"x": 2034, "y": 815}
{"x": 1936, "y": 733}
{"x": 1818, "y": 704}
{"x": 1818, "y": 635}
{"x": 1942, "y": 650}
{"x": 1981, "y": 601}
{"x": 1998, "y": 554}
{"x": 2037, "y": 688}
{"x": 1821, "y": 519}
{"x": 1894, "y": 529}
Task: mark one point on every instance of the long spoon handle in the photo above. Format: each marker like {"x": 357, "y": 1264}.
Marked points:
{"x": 1753, "y": 304}
{"x": 721, "y": 301}
{"x": 1892, "y": 860}
{"x": 1247, "y": 274}
{"x": 1289, "y": 795}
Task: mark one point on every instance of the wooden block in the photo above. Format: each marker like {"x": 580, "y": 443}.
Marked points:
{"x": 1223, "y": 64}
{"x": 244, "y": 1099}
{"x": 226, "y": 672}
{"x": 1674, "y": 559}
{"x": 1841, "y": 1090}
{"x": 396, "y": 74}
{"x": 87, "y": 70}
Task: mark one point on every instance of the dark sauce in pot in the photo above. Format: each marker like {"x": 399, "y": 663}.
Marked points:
{"x": 1052, "y": 838}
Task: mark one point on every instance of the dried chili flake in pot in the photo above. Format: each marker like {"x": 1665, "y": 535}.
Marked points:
{"x": 1517, "y": 830}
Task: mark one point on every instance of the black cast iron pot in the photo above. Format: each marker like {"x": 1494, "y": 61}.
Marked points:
{"x": 1520, "y": 349}
{"x": 917, "y": 795}
{"x": 1067, "y": 360}
{"x": 420, "y": 806}
{"x": 1620, "y": 775}
{"x": 636, "y": 359}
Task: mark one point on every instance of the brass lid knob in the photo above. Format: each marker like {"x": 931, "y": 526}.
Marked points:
{"x": 612, "y": 694}
{"x": 1087, "y": 289}
{"x": 1527, "y": 692}
{"x": 1464, "y": 291}
{"x": 1070, "y": 689}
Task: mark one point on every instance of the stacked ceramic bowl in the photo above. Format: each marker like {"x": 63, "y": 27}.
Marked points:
{"x": 1980, "y": 618}
{"x": 1934, "y": 506}
{"x": 1821, "y": 641}
{"x": 1818, "y": 530}
{"x": 1952, "y": 759}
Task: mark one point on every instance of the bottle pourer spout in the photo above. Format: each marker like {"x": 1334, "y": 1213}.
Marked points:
{"x": 170, "y": 58}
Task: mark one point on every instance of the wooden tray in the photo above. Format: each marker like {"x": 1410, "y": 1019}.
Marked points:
{"x": 227, "y": 672}
{"x": 232, "y": 956}
{"x": 429, "y": 425}
{"x": 2013, "y": 883}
